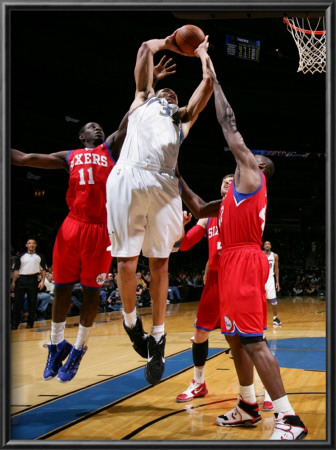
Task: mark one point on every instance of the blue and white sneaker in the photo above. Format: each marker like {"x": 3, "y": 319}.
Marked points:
{"x": 67, "y": 372}
{"x": 56, "y": 355}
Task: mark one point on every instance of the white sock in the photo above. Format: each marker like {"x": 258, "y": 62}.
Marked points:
{"x": 57, "y": 332}
{"x": 130, "y": 318}
{"x": 248, "y": 393}
{"x": 199, "y": 374}
{"x": 267, "y": 397}
{"x": 282, "y": 405}
{"x": 82, "y": 336}
{"x": 157, "y": 331}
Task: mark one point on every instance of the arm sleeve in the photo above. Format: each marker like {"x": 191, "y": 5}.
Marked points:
{"x": 194, "y": 235}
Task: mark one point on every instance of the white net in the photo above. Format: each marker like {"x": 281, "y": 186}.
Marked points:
{"x": 310, "y": 42}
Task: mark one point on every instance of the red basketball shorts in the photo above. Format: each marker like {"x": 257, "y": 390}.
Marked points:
{"x": 208, "y": 314}
{"x": 243, "y": 274}
{"x": 80, "y": 254}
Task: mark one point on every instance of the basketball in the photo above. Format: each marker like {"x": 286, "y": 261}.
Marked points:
{"x": 188, "y": 38}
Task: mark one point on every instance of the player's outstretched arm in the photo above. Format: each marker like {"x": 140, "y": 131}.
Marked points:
{"x": 52, "y": 161}
{"x": 201, "y": 95}
{"x": 247, "y": 176}
{"x": 198, "y": 207}
{"x": 144, "y": 66}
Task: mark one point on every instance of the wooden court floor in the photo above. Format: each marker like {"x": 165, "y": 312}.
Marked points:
{"x": 147, "y": 412}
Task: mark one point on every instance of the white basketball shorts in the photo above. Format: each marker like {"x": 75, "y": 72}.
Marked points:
{"x": 270, "y": 288}
{"x": 144, "y": 211}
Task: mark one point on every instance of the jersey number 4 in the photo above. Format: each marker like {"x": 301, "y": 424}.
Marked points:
{"x": 86, "y": 179}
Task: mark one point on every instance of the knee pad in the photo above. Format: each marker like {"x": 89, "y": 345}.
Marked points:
{"x": 200, "y": 353}
{"x": 273, "y": 301}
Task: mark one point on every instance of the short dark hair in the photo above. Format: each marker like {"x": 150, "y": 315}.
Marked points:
{"x": 269, "y": 168}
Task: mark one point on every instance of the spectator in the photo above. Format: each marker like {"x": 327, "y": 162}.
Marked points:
{"x": 298, "y": 286}
{"x": 174, "y": 295}
{"x": 105, "y": 292}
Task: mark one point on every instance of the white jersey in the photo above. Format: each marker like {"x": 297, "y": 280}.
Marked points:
{"x": 154, "y": 135}
{"x": 271, "y": 262}
{"x": 144, "y": 205}
{"x": 270, "y": 283}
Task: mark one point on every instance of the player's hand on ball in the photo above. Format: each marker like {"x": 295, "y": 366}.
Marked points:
{"x": 202, "y": 47}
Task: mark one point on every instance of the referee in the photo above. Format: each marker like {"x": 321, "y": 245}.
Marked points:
{"x": 27, "y": 266}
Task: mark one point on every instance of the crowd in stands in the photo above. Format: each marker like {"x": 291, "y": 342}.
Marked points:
{"x": 302, "y": 273}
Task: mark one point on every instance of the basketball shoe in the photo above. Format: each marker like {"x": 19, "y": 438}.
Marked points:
{"x": 267, "y": 406}
{"x": 194, "y": 390}
{"x": 243, "y": 414}
{"x": 70, "y": 368}
{"x": 56, "y": 354}
{"x": 288, "y": 428}
{"x": 276, "y": 321}
{"x": 156, "y": 362}
{"x": 138, "y": 337}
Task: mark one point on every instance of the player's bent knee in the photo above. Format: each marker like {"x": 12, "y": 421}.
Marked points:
{"x": 245, "y": 340}
{"x": 274, "y": 301}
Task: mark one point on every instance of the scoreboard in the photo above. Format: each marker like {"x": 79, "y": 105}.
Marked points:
{"x": 242, "y": 47}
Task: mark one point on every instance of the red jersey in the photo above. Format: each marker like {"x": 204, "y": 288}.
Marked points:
{"x": 86, "y": 195}
{"x": 214, "y": 243}
{"x": 242, "y": 217}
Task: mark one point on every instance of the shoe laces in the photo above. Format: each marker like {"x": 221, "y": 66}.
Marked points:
{"x": 73, "y": 362}
{"x": 193, "y": 385}
{"x": 51, "y": 353}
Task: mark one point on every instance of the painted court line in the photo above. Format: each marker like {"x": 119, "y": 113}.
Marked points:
{"x": 55, "y": 414}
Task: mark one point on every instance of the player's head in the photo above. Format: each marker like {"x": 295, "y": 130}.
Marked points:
{"x": 266, "y": 165}
{"x": 168, "y": 94}
{"x": 31, "y": 245}
{"x": 226, "y": 182}
{"x": 267, "y": 245}
{"x": 91, "y": 133}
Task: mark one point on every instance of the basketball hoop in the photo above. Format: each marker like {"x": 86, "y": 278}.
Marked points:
{"x": 311, "y": 43}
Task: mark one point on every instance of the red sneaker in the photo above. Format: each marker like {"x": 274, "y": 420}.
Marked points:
{"x": 267, "y": 406}
{"x": 194, "y": 390}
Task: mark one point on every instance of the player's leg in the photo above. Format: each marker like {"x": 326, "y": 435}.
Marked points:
{"x": 158, "y": 289}
{"x": 58, "y": 347}
{"x": 207, "y": 319}
{"x": 127, "y": 282}
{"x": 271, "y": 296}
{"x": 66, "y": 270}
{"x": 200, "y": 347}
{"x": 246, "y": 412}
{"x": 32, "y": 290}
{"x": 94, "y": 265}
{"x": 288, "y": 425}
{"x": 132, "y": 322}
{"x": 18, "y": 304}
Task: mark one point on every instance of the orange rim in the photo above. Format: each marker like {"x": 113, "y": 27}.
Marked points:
{"x": 302, "y": 30}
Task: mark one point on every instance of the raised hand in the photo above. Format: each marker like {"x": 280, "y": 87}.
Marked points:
{"x": 186, "y": 218}
{"x": 164, "y": 68}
